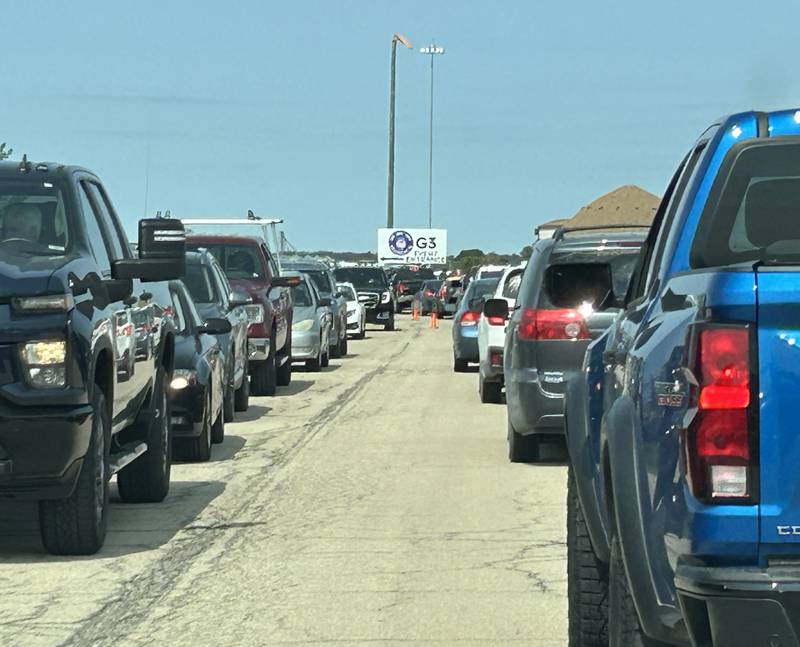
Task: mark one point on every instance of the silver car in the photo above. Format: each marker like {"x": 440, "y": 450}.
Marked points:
{"x": 311, "y": 324}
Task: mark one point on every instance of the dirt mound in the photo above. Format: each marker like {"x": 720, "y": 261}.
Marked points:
{"x": 627, "y": 205}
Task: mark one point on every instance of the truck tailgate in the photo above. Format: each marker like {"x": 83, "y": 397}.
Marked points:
{"x": 779, "y": 419}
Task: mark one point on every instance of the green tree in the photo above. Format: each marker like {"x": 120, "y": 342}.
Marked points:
{"x": 526, "y": 252}
{"x": 5, "y": 153}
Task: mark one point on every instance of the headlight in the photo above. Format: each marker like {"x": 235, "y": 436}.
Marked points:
{"x": 47, "y": 303}
{"x": 386, "y": 297}
{"x": 255, "y": 313}
{"x": 303, "y": 326}
{"x": 45, "y": 364}
{"x": 350, "y": 312}
{"x": 181, "y": 378}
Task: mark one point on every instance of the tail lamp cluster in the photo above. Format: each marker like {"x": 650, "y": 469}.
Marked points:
{"x": 562, "y": 324}
{"x": 720, "y": 441}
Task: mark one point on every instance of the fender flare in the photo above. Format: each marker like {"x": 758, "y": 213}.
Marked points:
{"x": 661, "y": 621}
{"x": 585, "y": 468}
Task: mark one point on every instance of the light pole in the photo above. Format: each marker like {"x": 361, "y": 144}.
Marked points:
{"x": 390, "y": 172}
{"x": 431, "y": 50}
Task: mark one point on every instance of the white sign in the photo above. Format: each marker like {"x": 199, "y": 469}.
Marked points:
{"x": 412, "y": 246}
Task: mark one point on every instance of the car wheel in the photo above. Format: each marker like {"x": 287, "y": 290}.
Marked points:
{"x": 218, "y": 431}
{"x": 265, "y": 375}
{"x": 77, "y": 525}
{"x": 229, "y": 394}
{"x": 490, "y": 392}
{"x": 390, "y": 324}
{"x": 522, "y": 449}
{"x": 326, "y": 359}
{"x": 242, "y": 398}
{"x": 333, "y": 351}
{"x": 198, "y": 448}
{"x": 284, "y": 376}
{"x": 460, "y": 365}
{"x": 146, "y": 480}
{"x": 587, "y": 579}
{"x": 343, "y": 347}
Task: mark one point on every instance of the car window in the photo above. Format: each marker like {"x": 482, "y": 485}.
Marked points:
{"x": 362, "y": 277}
{"x": 347, "y": 291}
{"x": 223, "y": 286}
{"x": 321, "y": 280}
{"x": 32, "y": 218}
{"x": 94, "y": 233}
{"x": 199, "y": 282}
{"x": 118, "y": 244}
{"x": 177, "y": 313}
{"x": 301, "y": 297}
{"x": 238, "y": 261}
{"x": 511, "y": 284}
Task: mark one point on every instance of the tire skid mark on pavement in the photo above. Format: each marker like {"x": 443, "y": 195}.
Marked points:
{"x": 125, "y": 610}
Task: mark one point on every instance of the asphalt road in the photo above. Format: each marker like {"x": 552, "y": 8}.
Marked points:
{"x": 371, "y": 504}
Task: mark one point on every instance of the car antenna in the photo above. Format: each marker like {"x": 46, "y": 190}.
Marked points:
{"x": 24, "y": 165}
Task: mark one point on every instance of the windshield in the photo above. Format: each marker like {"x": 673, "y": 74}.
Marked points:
{"x": 480, "y": 289}
{"x": 362, "y": 277}
{"x": 301, "y": 296}
{"x": 321, "y": 280}
{"x": 238, "y": 261}
{"x": 32, "y": 219}
{"x": 199, "y": 283}
{"x": 348, "y": 293}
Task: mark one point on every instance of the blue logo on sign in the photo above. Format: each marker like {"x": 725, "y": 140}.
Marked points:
{"x": 401, "y": 242}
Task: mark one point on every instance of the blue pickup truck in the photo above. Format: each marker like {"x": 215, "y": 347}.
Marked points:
{"x": 683, "y": 495}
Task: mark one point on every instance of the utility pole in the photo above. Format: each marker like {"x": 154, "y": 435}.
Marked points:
{"x": 431, "y": 50}
{"x": 390, "y": 188}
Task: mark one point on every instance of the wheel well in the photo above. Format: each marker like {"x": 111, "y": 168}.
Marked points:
{"x": 608, "y": 493}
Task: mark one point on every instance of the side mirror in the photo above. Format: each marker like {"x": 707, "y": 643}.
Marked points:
{"x": 324, "y": 302}
{"x": 238, "y": 298}
{"x": 476, "y": 305}
{"x": 162, "y": 252}
{"x": 496, "y": 308}
{"x": 119, "y": 289}
{"x": 285, "y": 281}
{"x": 215, "y": 326}
{"x": 338, "y": 295}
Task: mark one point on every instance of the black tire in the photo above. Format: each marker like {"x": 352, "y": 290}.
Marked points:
{"x": 587, "y": 579}
{"x": 284, "y": 376}
{"x": 624, "y": 628}
{"x": 77, "y": 525}
{"x": 146, "y": 480}
{"x": 522, "y": 449}
{"x": 218, "y": 430}
{"x": 333, "y": 351}
{"x": 313, "y": 365}
{"x": 363, "y": 332}
{"x": 229, "y": 403}
{"x": 265, "y": 378}
{"x": 398, "y": 307}
{"x": 490, "y": 392}
{"x": 390, "y": 324}
{"x": 460, "y": 365}
{"x": 241, "y": 401}
{"x": 197, "y": 449}
{"x": 343, "y": 347}
{"x": 326, "y": 359}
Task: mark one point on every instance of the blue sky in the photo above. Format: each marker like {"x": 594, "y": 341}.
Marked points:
{"x": 282, "y": 107}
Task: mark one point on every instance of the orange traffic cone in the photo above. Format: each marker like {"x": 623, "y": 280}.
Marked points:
{"x": 414, "y": 312}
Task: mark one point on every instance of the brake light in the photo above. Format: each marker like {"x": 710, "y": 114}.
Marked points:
{"x": 428, "y": 293}
{"x": 496, "y": 321}
{"x": 564, "y": 324}
{"x": 401, "y": 288}
{"x": 719, "y": 450}
{"x": 470, "y": 318}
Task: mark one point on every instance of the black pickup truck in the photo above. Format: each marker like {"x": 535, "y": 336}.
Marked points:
{"x": 86, "y": 351}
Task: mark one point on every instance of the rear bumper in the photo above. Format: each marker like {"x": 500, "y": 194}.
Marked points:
{"x": 258, "y": 348}
{"x": 740, "y": 607}
{"x": 380, "y": 314}
{"x": 492, "y": 365}
{"x": 466, "y": 347}
{"x": 41, "y": 450}
{"x": 531, "y": 409}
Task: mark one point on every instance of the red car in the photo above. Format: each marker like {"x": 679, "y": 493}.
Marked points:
{"x": 250, "y": 267}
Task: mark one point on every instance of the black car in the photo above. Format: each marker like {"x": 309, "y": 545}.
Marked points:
{"x": 406, "y": 282}
{"x": 79, "y": 402}
{"x": 429, "y": 297}
{"x": 197, "y": 389}
{"x": 374, "y": 292}
{"x": 211, "y": 293}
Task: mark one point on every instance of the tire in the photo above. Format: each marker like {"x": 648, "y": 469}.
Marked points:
{"x": 326, "y": 359}
{"x": 265, "y": 378}
{"x": 241, "y": 400}
{"x": 398, "y": 307}
{"x": 77, "y": 525}
{"x": 362, "y": 332}
{"x": 624, "y": 630}
{"x": 587, "y": 579}
{"x": 197, "y": 449}
{"x": 490, "y": 392}
{"x": 390, "y": 324}
{"x": 522, "y": 449}
{"x": 229, "y": 402}
{"x": 146, "y": 480}
{"x": 343, "y": 347}
{"x": 460, "y": 365}
{"x": 333, "y": 351}
{"x": 284, "y": 375}
{"x": 218, "y": 430}
{"x": 313, "y": 365}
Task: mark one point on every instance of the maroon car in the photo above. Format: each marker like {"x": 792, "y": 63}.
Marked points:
{"x": 250, "y": 267}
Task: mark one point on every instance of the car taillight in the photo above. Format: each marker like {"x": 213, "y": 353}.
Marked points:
{"x": 719, "y": 444}
{"x": 401, "y": 288}
{"x": 496, "y": 321}
{"x": 564, "y": 324}
{"x": 428, "y": 293}
{"x": 470, "y": 318}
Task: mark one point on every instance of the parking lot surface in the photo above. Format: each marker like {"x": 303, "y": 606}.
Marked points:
{"x": 370, "y": 504}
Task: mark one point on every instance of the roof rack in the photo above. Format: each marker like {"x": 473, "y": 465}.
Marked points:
{"x": 269, "y": 228}
{"x": 559, "y": 234}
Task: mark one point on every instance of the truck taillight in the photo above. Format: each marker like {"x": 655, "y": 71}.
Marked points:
{"x": 470, "y": 318}
{"x": 564, "y": 324}
{"x": 720, "y": 439}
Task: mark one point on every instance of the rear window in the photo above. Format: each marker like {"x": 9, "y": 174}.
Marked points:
{"x": 321, "y": 280}
{"x": 301, "y": 297}
{"x": 480, "y": 289}
{"x": 362, "y": 277}
{"x": 578, "y": 279}
{"x": 491, "y": 274}
{"x": 237, "y": 261}
{"x": 199, "y": 283}
{"x": 753, "y": 211}
{"x": 511, "y": 285}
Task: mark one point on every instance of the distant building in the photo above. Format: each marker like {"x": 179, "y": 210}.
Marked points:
{"x": 627, "y": 205}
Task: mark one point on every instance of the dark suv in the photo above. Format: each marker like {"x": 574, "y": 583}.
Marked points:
{"x": 374, "y": 292}
{"x": 562, "y": 304}
{"x": 86, "y": 351}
